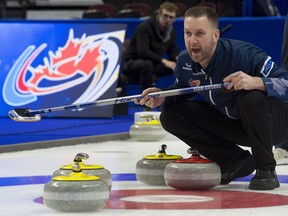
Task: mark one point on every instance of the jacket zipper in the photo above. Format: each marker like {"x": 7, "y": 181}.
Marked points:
{"x": 210, "y": 95}
{"x": 227, "y": 113}
{"x": 210, "y": 81}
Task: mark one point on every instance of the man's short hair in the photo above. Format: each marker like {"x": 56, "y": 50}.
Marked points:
{"x": 169, "y": 6}
{"x": 204, "y": 11}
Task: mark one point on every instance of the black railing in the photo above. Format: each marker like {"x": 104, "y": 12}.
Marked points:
{"x": 236, "y": 8}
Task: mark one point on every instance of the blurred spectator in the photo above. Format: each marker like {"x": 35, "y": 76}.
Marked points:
{"x": 152, "y": 40}
{"x": 265, "y": 8}
{"x": 284, "y": 56}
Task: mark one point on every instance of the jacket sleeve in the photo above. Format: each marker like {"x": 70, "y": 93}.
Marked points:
{"x": 143, "y": 40}
{"x": 259, "y": 64}
{"x": 275, "y": 80}
{"x": 277, "y": 87}
{"x": 173, "y": 50}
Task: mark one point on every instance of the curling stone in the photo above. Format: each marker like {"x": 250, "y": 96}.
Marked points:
{"x": 138, "y": 116}
{"x": 147, "y": 127}
{"x": 94, "y": 170}
{"x": 150, "y": 169}
{"x": 194, "y": 173}
{"x": 76, "y": 192}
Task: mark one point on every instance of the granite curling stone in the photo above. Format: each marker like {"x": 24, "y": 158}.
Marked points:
{"x": 150, "y": 169}
{"x": 194, "y": 173}
{"x": 147, "y": 127}
{"x": 76, "y": 192}
{"x": 94, "y": 170}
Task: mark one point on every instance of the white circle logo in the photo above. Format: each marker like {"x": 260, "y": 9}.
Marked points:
{"x": 167, "y": 199}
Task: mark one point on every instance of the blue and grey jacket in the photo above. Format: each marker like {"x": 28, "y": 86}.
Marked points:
{"x": 230, "y": 56}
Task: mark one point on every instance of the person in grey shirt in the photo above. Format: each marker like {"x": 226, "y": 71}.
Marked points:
{"x": 281, "y": 151}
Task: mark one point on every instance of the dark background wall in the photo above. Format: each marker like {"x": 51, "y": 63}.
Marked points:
{"x": 265, "y": 32}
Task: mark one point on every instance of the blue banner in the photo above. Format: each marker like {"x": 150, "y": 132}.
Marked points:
{"x": 54, "y": 63}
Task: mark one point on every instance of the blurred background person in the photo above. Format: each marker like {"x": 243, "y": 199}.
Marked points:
{"x": 153, "y": 49}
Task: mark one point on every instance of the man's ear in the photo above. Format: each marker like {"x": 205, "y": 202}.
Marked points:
{"x": 216, "y": 34}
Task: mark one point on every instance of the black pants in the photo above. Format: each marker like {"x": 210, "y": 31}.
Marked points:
{"x": 141, "y": 70}
{"x": 263, "y": 123}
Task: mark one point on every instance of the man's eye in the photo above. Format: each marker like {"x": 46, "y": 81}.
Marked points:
{"x": 187, "y": 33}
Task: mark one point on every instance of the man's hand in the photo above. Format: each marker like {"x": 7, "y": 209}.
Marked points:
{"x": 169, "y": 64}
{"x": 150, "y": 102}
{"x": 242, "y": 81}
